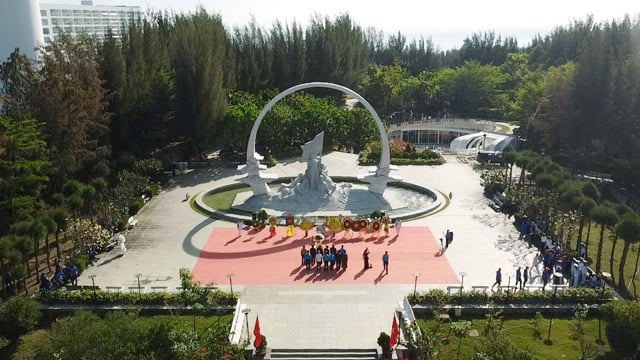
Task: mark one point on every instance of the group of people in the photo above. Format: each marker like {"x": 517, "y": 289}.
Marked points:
{"x": 522, "y": 278}
{"x": 385, "y": 260}
{"x": 329, "y": 258}
{"x": 61, "y": 276}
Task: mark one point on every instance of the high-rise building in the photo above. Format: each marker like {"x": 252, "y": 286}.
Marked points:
{"x": 27, "y": 24}
{"x": 20, "y": 27}
{"x": 94, "y": 20}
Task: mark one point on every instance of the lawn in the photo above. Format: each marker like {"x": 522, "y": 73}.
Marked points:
{"x": 520, "y": 333}
{"x": 223, "y": 200}
{"x": 592, "y": 253}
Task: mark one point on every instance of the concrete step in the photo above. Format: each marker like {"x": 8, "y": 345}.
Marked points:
{"x": 322, "y": 354}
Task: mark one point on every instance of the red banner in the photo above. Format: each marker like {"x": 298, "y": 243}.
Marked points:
{"x": 395, "y": 333}
{"x": 256, "y": 332}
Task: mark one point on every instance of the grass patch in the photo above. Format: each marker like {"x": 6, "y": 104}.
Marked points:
{"x": 520, "y": 333}
{"x": 223, "y": 200}
{"x": 592, "y": 254}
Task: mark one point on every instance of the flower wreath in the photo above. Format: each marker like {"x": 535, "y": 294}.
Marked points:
{"x": 356, "y": 225}
{"x": 376, "y": 225}
{"x": 364, "y": 223}
{"x": 255, "y": 224}
{"x": 347, "y": 224}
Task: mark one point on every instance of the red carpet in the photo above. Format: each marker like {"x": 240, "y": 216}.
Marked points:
{"x": 256, "y": 259}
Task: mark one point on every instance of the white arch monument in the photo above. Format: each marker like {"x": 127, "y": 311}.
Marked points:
{"x": 258, "y": 182}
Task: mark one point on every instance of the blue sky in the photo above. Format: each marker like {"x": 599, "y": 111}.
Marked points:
{"x": 447, "y": 22}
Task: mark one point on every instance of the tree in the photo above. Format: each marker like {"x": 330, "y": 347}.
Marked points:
{"x": 628, "y": 228}
{"x": 460, "y": 329}
{"x": 605, "y": 216}
{"x": 200, "y": 43}
{"x": 70, "y": 100}
{"x": 22, "y": 169}
{"x": 16, "y": 81}
{"x": 18, "y": 315}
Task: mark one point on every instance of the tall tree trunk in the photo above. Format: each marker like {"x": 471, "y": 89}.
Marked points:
{"x": 4, "y": 284}
{"x": 46, "y": 241}
{"x": 589, "y": 231}
{"x": 580, "y": 228}
{"x": 635, "y": 272}
{"x": 58, "y": 244}
{"x": 613, "y": 253}
{"x": 600, "y": 245}
{"x": 623, "y": 259}
{"x": 36, "y": 242}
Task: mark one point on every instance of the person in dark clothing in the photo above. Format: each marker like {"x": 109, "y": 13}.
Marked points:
{"x": 302, "y": 252}
{"x": 518, "y": 278}
{"x": 365, "y": 257}
{"x": 385, "y": 262}
{"x": 525, "y": 276}
{"x": 498, "y": 279}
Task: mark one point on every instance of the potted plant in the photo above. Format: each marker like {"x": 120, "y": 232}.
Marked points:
{"x": 261, "y": 350}
{"x": 384, "y": 341}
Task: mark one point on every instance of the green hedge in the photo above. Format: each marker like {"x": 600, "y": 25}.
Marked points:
{"x": 203, "y": 296}
{"x": 402, "y": 161}
{"x": 570, "y": 295}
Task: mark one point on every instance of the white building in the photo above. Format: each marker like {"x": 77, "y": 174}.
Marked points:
{"x": 94, "y": 20}
{"x": 27, "y": 24}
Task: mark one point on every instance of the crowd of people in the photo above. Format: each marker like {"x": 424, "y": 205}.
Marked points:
{"x": 327, "y": 259}
{"x": 61, "y": 277}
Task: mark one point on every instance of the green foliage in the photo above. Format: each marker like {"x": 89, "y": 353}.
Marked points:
{"x": 263, "y": 216}
{"x": 135, "y": 206}
{"x": 567, "y": 296}
{"x": 196, "y": 295}
{"x": 186, "y": 278}
{"x": 18, "y": 315}
{"x": 80, "y": 260}
{"x": 384, "y": 341}
{"x": 623, "y": 326}
{"x": 536, "y": 324}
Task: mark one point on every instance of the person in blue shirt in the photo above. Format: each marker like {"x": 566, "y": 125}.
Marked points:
{"x": 385, "y": 262}
{"x": 519, "y": 278}
{"x": 326, "y": 261}
{"x": 498, "y": 279}
{"x": 307, "y": 260}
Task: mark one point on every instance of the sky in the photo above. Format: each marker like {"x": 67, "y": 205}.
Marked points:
{"x": 447, "y": 22}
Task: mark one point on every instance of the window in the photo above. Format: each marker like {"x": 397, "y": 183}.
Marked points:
{"x": 45, "y": 31}
{"x": 56, "y": 21}
{"x": 77, "y": 12}
{"x": 56, "y": 30}
{"x": 43, "y": 12}
{"x": 66, "y": 12}
{"x": 55, "y": 12}
{"x": 68, "y": 21}
{"x": 47, "y": 39}
{"x": 45, "y": 22}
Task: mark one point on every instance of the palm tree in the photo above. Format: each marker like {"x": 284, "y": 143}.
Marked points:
{"x": 628, "y": 228}
{"x": 605, "y": 215}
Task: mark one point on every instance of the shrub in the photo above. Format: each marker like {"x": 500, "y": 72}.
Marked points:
{"x": 81, "y": 261}
{"x": 384, "y": 341}
{"x": 570, "y": 295}
{"x": 18, "y": 315}
{"x": 135, "y": 206}
{"x": 623, "y": 327}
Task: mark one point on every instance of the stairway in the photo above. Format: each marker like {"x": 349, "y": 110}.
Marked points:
{"x": 321, "y": 354}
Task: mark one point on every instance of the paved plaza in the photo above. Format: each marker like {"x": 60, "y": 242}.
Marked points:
{"x": 268, "y": 277}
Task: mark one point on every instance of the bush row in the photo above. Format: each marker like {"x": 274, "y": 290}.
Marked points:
{"x": 569, "y": 295}
{"x": 204, "y": 297}
{"x": 402, "y": 161}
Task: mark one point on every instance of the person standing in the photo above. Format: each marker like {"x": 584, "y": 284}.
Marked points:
{"x": 448, "y": 239}
{"x": 525, "y": 276}
{"x": 240, "y": 226}
{"x": 302, "y": 252}
{"x": 519, "y": 278}
{"x": 498, "y": 279}
{"x": 385, "y": 262}
{"x": 365, "y": 257}
{"x": 345, "y": 257}
{"x": 319, "y": 260}
{"x": 398, "y": 225}
{"x": 307, "y": 260}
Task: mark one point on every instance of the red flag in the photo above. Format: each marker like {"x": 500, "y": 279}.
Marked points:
{"x": 395, "y": 333}
{"x": 256, "y": 332}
